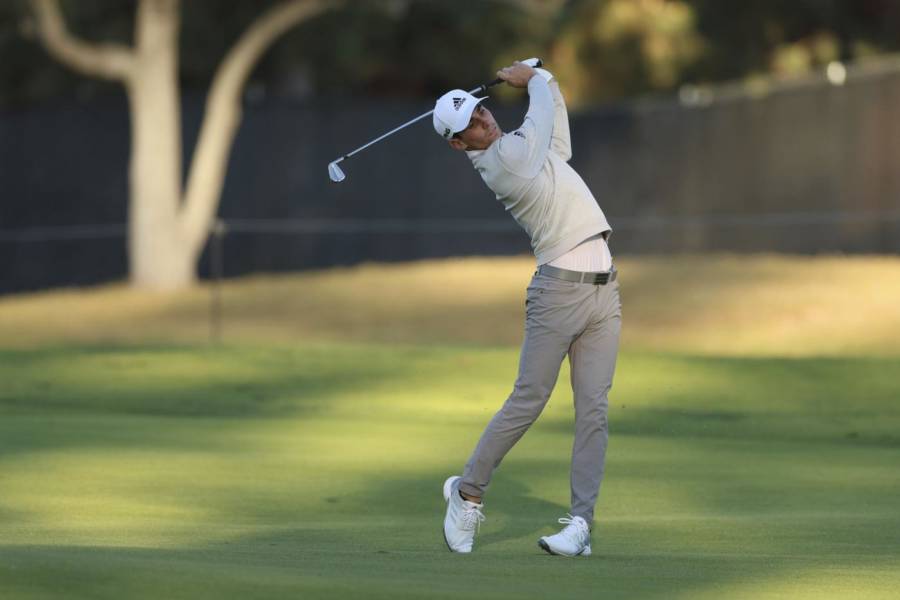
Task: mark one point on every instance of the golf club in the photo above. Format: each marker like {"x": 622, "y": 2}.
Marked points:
{"x": 337, "y": 174}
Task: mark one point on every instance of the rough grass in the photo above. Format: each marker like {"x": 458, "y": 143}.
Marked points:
{"x": 734, "y": 305}
{"x": 754, "y": 444}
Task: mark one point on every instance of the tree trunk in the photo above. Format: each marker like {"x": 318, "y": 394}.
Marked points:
{"x": 167, "y": 229}
{"x": 157, "y": 251}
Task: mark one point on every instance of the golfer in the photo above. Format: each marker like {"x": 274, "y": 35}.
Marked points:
{"x": 572, "y": 304}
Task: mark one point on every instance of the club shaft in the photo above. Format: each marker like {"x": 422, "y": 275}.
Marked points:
{"x": 391, "y": 132}
{"x": 480, "y": 88}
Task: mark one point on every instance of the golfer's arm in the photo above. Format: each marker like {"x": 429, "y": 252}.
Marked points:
{"x": 560, "y": 142}
{"x": 538, "y": 124}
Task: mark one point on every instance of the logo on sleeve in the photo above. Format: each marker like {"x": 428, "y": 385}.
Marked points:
{"x": 520, "y": 134}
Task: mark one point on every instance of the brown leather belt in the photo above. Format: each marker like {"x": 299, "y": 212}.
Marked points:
{"x": 579, "y": 276}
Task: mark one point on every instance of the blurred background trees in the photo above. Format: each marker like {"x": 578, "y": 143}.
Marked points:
{"x": 169, "y": 221}
{"x": 400, "y": 53}
{"x": 603, "y": 49}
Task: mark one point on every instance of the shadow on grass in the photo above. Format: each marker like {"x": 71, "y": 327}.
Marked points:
{"x": 849, "y": 401}
{"x": 512, "y": 510}
{"x": 187, "y": 381}
{"x": 330, "y": 561}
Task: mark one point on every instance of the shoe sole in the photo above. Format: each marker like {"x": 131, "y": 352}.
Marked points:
{"x": 444, "y": 533}
{"x": 546, "y": 548}
{"x": 448, "y": 489}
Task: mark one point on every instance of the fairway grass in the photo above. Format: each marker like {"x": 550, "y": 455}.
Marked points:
{"x": 314, "y": 470}
{"x": 754, "y": 449}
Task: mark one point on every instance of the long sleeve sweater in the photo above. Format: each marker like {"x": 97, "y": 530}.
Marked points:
{"x": 528, "y": 171}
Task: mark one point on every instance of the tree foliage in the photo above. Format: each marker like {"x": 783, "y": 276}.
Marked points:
{"x": 605, "y": 50}
{"x": 602, "y": 49}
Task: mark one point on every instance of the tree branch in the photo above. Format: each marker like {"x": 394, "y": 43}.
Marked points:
{"x": 223, "y": 111}
{"x": 237, "y": 65}
{"x": 109, "y": 61}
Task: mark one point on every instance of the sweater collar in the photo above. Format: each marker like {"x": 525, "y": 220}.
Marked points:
{"x": 474, "y": 155}
{"x": 477, "y": 156}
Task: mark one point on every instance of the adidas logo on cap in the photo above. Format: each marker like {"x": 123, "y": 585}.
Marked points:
{"x": 453, "y": 112}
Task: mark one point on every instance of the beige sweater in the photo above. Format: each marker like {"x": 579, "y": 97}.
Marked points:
{"x": 528, "y": 171}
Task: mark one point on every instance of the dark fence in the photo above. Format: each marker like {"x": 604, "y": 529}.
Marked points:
{"x": 804, "y": 168}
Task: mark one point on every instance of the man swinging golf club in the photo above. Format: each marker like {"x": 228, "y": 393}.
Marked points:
{"x": 572, "y": 304}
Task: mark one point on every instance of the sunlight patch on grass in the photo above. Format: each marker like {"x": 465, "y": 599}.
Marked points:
{"x": 855, "y": 581}
{"x": 720, "y": 304}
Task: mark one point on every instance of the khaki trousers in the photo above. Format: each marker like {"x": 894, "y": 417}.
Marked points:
{"x": 561, "y": 317}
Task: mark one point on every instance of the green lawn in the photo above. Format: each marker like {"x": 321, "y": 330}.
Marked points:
{"x": 314, "y": 470}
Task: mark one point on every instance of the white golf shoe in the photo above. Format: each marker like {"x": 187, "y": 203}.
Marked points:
{"x": 462, "y": 519}
{"x": 573, "y": 540}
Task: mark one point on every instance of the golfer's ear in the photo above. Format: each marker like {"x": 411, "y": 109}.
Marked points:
{"x": 457, "y": 144}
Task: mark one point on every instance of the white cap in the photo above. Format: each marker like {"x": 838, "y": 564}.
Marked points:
{"x": 452, "y": 112}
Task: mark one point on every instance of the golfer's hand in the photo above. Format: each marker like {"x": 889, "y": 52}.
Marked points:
{"x": 517, "y": 74}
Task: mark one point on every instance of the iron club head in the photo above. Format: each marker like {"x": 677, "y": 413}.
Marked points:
{"x": 335, "y": 172}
